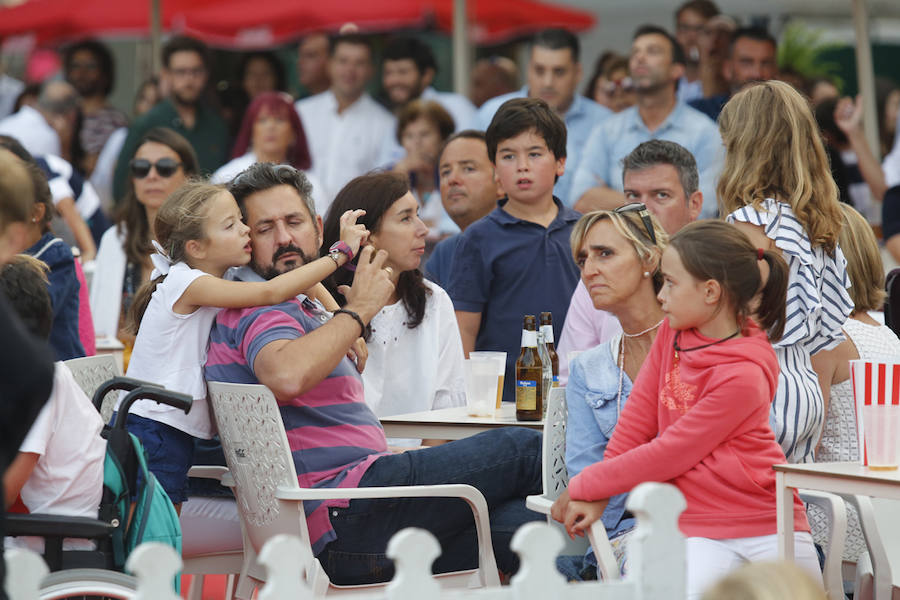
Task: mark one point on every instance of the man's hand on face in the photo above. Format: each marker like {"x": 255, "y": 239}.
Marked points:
{"x": 372, "y": 286}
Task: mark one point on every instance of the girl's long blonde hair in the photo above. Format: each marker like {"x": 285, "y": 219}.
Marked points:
{"x": 773, "y": 149}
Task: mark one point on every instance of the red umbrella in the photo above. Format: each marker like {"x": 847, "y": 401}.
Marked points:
{"x": 244, "y": 23}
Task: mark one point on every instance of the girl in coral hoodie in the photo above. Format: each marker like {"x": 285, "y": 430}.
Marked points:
{"x": 698, "y": 415}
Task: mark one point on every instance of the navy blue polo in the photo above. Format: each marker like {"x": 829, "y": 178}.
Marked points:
{"x": 505, "y": 268}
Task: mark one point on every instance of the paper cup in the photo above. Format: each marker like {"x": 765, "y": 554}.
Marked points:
{"x": 876, "y": 394}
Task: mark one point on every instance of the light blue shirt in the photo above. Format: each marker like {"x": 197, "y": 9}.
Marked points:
{"x": 581, "y": 118}
{"x": 592, "y": 400}
{"x": 611, "y": 141}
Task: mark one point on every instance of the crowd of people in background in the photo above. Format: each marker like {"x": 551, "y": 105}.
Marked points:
{"x": 614, "y": 192}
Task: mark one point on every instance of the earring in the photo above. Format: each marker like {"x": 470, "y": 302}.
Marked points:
{"x": 646, "y": 273}
{"x": 34, "y": 219}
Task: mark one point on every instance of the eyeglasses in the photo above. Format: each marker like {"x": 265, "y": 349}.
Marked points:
{"x": 641, "y": 209}
{"x": 165, "y": 167}
{"x": 610, "y": 86}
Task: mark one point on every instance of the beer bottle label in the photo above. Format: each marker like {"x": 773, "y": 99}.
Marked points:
{"x": 526, "y": 395}
{"x": 556, "y": 381}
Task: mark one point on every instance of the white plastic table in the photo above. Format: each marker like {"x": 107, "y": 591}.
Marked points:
{"x": 838, "y": 478}
{"x": 451, "y": 423}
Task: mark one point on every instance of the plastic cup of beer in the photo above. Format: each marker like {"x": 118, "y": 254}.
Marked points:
{"x": 876, "y": 394}
{"x": 481, "y": 386}
{"x": 500, "y": 358}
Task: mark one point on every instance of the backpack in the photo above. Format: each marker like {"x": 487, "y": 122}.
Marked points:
{"x": 154, "y": 518}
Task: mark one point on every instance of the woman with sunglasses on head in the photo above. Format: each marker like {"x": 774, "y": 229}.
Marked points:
{"x": 618, "y": 254}
{"x": 272, "y": 132}
{"x": 163, "y": 161}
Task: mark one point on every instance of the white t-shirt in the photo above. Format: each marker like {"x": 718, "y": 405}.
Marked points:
{"x": 347, "y": 144}
{"x": 170, "y": 350}
{"x": 411, "y": 370}
{"x": 68, "y": 477}
{"x": 31, "y": 129}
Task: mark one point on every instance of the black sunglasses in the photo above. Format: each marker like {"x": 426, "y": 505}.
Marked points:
{"x": 165, "y": 167}
{"x": 641, "y": 209}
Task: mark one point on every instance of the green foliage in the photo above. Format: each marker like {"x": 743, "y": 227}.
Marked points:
{"x": 801, "y": 50}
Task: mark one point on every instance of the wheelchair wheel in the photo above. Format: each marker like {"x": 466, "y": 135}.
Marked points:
{"x": 88, "y": 584}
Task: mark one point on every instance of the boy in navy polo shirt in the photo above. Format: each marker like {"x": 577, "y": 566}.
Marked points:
{"x": 517, "y": 260}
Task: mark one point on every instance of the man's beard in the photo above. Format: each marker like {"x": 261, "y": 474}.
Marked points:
{"x": 271, "y": 271}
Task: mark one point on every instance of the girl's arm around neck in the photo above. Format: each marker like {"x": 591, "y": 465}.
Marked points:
{"x": 220, "y": 293}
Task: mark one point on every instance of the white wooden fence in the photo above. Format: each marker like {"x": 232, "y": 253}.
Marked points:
{"x": 656, "y": 564}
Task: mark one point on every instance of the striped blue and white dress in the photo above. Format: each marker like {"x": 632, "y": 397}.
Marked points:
{"x": 817, "y": 307}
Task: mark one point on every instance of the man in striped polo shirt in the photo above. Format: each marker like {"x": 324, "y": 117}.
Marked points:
{"x": 300, "y": 352}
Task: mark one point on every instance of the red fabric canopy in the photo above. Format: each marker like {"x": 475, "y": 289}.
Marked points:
{"x": 243, "y": 23}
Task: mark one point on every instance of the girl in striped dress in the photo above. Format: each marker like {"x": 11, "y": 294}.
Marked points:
{"x": 776, "y": 186}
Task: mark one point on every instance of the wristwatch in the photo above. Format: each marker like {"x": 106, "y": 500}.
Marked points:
{"x": 338, "y": 248}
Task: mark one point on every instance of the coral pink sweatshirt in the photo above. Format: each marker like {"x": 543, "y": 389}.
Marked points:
{"x": 701, "y": 422}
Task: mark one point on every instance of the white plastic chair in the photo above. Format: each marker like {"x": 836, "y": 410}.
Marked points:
{"x": 836, "y": 513}
{"x": 556, "y": 479}
{"x": 90, "y": 372}
{"x": 270, "y": 499}
{"x": 878, "y": 570}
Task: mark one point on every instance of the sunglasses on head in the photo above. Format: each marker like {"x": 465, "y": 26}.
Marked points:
{"x": 165, "y": 167}
{"x": 641, "y": 209}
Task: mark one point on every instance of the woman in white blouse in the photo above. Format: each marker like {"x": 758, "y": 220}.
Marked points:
{"x": 415, "y": 352}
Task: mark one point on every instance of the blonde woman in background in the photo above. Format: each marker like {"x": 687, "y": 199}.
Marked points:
{"x": 776, "y": 187}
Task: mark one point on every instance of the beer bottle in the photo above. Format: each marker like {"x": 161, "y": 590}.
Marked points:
{"x": 547, "y": 333}
{"x": 529, "y": 375}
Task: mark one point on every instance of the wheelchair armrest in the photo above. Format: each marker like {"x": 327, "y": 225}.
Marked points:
{"x": 56, "y": 526}
{"x": 117, "y": 383}
{"x": 152, "y": 392}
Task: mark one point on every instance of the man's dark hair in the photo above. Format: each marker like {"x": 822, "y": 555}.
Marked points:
{"x": 707, "y": 8}
{"x": 400, "y": 48}
{"x": 466, "y": 134}
{"x": 183, "y": 43}
{"x": 677, "y": 51}
{"x": 558, "y": 39}
{"x": 754, "y": 33}
{"x": 519, "y": 115}
{"x": 24, "y": 283}
{"x": 263, "y": 176}
{"x": 101, "y": 54}
{"x": 354, "y": 39}
{"x": 662, "y": 152}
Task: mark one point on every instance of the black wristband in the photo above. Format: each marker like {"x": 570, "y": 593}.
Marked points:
{"x": 356, "y": 317}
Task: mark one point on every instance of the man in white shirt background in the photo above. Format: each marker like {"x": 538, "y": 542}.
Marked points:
{"x": 312, "y": 63}
{"x": 38, "y": 128}
{"x": 345, "y": 128}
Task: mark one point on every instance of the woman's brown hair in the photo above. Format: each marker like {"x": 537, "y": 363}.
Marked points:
{"x": 773, "y": 149}
{"x": 130, "y": 215}
{"x": 375, "y": 193}
{"x": 427, "y": 109}
{"x": 722, "y": 252}
{"x": 181, "y": 218}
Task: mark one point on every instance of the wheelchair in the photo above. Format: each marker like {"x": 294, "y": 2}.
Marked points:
{"x": 99, "y": 573}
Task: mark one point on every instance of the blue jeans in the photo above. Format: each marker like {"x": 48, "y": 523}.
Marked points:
{"x": 504, "y": 464}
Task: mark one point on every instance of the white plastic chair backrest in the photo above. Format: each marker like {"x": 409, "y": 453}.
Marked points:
{"x": 259, "y": 459}
{"x": 880, "y": 520}
{"x": 90, "y": 372}
{"x": 555, "y": 477}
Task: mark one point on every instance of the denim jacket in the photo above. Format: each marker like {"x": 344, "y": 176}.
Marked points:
{"x": 591, "y": 398}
